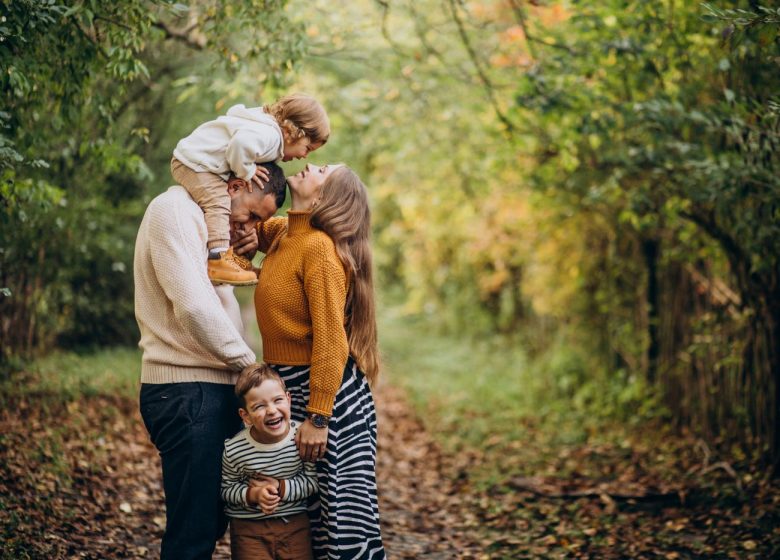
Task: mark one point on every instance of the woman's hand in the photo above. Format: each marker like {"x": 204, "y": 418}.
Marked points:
{"x": 311, "y": 441}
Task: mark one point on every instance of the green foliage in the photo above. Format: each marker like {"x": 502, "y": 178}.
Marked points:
{"x": 89, "y": 94}
{"x": 596, "y": 180}
{"x": 675, "y": 130}
{"x": 603, "y": 173}
{"x": 476, "y": 393}
{"x": 111, "y": 372}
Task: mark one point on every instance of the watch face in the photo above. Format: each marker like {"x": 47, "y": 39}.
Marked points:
{"x": 319, "y": 420}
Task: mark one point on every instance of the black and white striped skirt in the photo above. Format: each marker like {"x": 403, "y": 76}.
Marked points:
{"x": 345, "y": 520}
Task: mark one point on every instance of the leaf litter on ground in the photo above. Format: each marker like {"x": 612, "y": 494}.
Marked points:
{"x": 80, "y": 479}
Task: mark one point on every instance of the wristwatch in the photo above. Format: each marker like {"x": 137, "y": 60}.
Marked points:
{"x": 319, "y": 420}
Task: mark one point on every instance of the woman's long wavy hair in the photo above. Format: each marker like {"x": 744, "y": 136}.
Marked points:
{"x": 343, "y": 213}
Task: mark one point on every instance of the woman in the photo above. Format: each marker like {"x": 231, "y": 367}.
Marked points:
{"x": 315, "y": 307}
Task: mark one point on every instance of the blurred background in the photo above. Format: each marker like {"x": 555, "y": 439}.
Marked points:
{"x": 575, "y": 203}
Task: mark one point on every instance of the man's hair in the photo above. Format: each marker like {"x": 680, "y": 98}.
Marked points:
{"x": 276, "y": 184}
{"x": 253, "y": 376}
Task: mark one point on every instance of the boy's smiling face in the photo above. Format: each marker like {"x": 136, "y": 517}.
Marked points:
{"x": 268, "y": 411}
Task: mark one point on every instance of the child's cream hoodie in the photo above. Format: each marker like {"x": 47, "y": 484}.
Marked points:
{"x": 234, "y": 142}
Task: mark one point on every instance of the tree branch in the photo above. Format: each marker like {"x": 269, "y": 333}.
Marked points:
{"x": 530, "y": 37}
{"x": 182, "y": 35}
{"x": 486, "y": 83}
{"x": 729, "y": 244}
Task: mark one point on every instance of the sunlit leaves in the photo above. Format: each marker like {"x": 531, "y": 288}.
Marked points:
{"x": 89, "y": 89}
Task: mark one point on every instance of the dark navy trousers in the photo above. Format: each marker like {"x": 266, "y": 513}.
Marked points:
{"x": 189, "y": 423}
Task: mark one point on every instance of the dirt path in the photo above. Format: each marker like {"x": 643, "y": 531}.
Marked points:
{"x": 423, "y": 515}
{"x": 114, "y": 508}
{"x": 79, "y": 479}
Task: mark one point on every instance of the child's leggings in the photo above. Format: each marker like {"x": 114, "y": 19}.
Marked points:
{"x": 210, "y": 192}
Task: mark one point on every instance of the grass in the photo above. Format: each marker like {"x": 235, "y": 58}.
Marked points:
{"x": 53, "y": 395}
{"x": 69, "y": 376}
{"x": 509, "y": 415}
{"x": 482, "y": 386}
{"x": 63, "y": 419}
{"x": 488, "y": 396}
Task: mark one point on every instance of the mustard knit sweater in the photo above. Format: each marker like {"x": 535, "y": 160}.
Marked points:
{"x": 300, "y": 298}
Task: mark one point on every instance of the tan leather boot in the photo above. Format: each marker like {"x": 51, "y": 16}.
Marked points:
{"x": 224, "y": 268}
{"x": 246, "y": 264}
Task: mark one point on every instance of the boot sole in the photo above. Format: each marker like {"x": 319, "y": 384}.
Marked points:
{"x": 222, "y": 283}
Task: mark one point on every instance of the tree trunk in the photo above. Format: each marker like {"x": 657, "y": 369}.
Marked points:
{"x": 650, "y": 249}
{"x": 773, "y": 353}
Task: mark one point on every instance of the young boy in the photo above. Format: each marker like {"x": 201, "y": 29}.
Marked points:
{"x": 269, "y": 519}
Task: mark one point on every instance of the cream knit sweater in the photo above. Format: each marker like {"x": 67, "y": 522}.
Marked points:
{"x": 186, "y": 331}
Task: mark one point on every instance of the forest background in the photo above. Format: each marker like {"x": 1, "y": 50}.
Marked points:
{"x": 575, "y": 202}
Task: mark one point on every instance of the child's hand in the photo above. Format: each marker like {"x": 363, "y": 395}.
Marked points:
{"x": 261, "y": 176}
{"x": 253, "y": 495}
{"x": 265, "y": 494}
{"x": 269, "y": 498}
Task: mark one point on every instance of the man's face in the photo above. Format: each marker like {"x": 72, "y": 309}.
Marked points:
{"x": 248, "y": 209}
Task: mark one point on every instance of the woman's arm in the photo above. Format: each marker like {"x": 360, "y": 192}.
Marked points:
{"x": 269, "y": 230}
{"x": 325, "y": 284}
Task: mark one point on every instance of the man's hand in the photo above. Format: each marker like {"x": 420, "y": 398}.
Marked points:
{"x": 244, "y": 242}
{"x": 311, "y": 441}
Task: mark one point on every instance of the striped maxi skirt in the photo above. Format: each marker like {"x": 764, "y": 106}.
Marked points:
{"x": 345, "y": 519}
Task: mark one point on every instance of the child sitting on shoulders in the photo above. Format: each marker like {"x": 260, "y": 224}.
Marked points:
{"x": 291, "y": 128}
{"x": 268, "y": 516}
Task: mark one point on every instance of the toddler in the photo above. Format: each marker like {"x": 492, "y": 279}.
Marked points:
{"x": 265, "y": 485}
{"x": 291, "y": 128}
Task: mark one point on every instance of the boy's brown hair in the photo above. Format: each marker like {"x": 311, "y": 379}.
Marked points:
{"x": 253, "y": 376}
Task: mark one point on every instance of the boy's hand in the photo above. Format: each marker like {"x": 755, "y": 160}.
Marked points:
{"x": 261, "y": 177}
{"x": 253, "y": 495}
{"x": 265, "y": 494}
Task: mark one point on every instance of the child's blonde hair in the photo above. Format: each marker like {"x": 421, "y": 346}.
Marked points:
{"x": 301, "y": 115}
{"x": 253, "y": 376}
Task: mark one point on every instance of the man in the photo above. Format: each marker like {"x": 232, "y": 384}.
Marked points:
{"x": 192, "y": 353}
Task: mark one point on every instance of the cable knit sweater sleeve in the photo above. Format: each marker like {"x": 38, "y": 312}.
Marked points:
{"x": 179, "y": 262}
{"x": 325, "y": 284}
{"x": 268, "y": 231}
